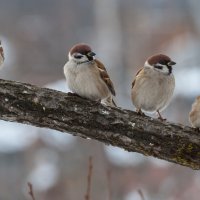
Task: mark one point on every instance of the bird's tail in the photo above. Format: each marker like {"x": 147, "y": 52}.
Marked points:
{"x": 108, "y": 101}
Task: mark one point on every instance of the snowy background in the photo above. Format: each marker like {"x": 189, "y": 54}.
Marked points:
{"x": 37, "y": 35}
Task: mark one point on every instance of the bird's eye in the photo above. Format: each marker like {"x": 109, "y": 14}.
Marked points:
{"x": 78, "y": 56}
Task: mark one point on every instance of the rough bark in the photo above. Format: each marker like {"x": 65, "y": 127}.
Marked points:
{"x": 42, "y": 107}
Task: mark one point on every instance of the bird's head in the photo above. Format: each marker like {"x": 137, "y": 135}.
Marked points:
{"x": 81, "y": 53}
{"x": 160, "y": 63}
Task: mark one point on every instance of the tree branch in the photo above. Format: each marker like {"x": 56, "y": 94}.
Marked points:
{"x": 28, "y": 104}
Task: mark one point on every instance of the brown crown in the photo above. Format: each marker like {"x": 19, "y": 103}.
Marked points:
{"x": 159, "y": 58}
{"x": 80, "y": 48}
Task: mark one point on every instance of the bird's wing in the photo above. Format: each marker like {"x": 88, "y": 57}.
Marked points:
{"x": 105, "y": 77}
{"x": 1, "y": 51}
{"x": 139, "y": 73}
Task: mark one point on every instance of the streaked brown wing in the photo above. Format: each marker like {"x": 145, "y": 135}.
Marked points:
{"x": 105, "y": 77}
{"x": 1, "y": 52}
{"x": 139, "y": 71}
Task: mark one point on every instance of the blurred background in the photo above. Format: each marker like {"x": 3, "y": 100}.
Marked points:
{"x": 37, "y": 36}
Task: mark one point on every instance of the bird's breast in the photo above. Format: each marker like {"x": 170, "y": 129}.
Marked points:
{"x": 86, "y": 81}
{"x": 153, "y": 93}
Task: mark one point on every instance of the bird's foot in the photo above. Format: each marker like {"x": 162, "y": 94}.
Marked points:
{"x": 73, "y": 94}
{"x": 139, "y": 112}
{"x": 160, "y": 117}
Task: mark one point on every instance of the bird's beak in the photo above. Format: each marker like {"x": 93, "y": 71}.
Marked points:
{"x": 91, "y": 54}
{"x": 171, "y": 63}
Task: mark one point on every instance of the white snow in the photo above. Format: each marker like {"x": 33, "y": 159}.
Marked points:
{"x": 133, "y": 195}
{"x": 17, "y": 137}
{"x": 61, "y": 141}
{"x": 188, "y": 86}
{"x": 60, "y": 85}
{"x": 45, "y": 174}
{"x": 158, "y": 162}
{"x": 123, "y": 158}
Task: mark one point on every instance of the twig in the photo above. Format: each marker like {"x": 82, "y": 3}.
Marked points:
{"x": 31, "y": 193}
{"x": 42, "y": 107}
{"x": 141, "y": 194}
{"x": 109, "y": 184}
{"x": 89, "y": 177}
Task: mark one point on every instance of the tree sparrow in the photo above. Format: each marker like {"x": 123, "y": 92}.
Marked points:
{"x": 87, "y": 76}
{"x": 194, "y": 116}
{"x": 153, "y": 85}
{"x": 1, "y": 55}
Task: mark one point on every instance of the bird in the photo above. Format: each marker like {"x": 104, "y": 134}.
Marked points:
{"x": 1, "y": 55}
{"x": 87, "y": 76}
{"x": 153, "y": 86}
{"x": 194, "y": 115}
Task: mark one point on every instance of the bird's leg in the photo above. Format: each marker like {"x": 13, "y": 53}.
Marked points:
{"x": 160, "y": 116}
{"x": 139, "y": 112}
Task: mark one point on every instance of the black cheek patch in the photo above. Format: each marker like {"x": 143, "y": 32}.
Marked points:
{"x": 170, "y": 69}
{"x": 90, "y": 58}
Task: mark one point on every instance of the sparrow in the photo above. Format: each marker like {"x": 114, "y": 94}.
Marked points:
{"x": 87, "y": 77}
{"x": 1, "y": 55}
{"x": 153, "y": 86}
{"x": 194, "y": 115}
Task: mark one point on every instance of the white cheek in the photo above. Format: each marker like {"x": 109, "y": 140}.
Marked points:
{"x": 84, "y": 58}
{"x": 165, "y": 69}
